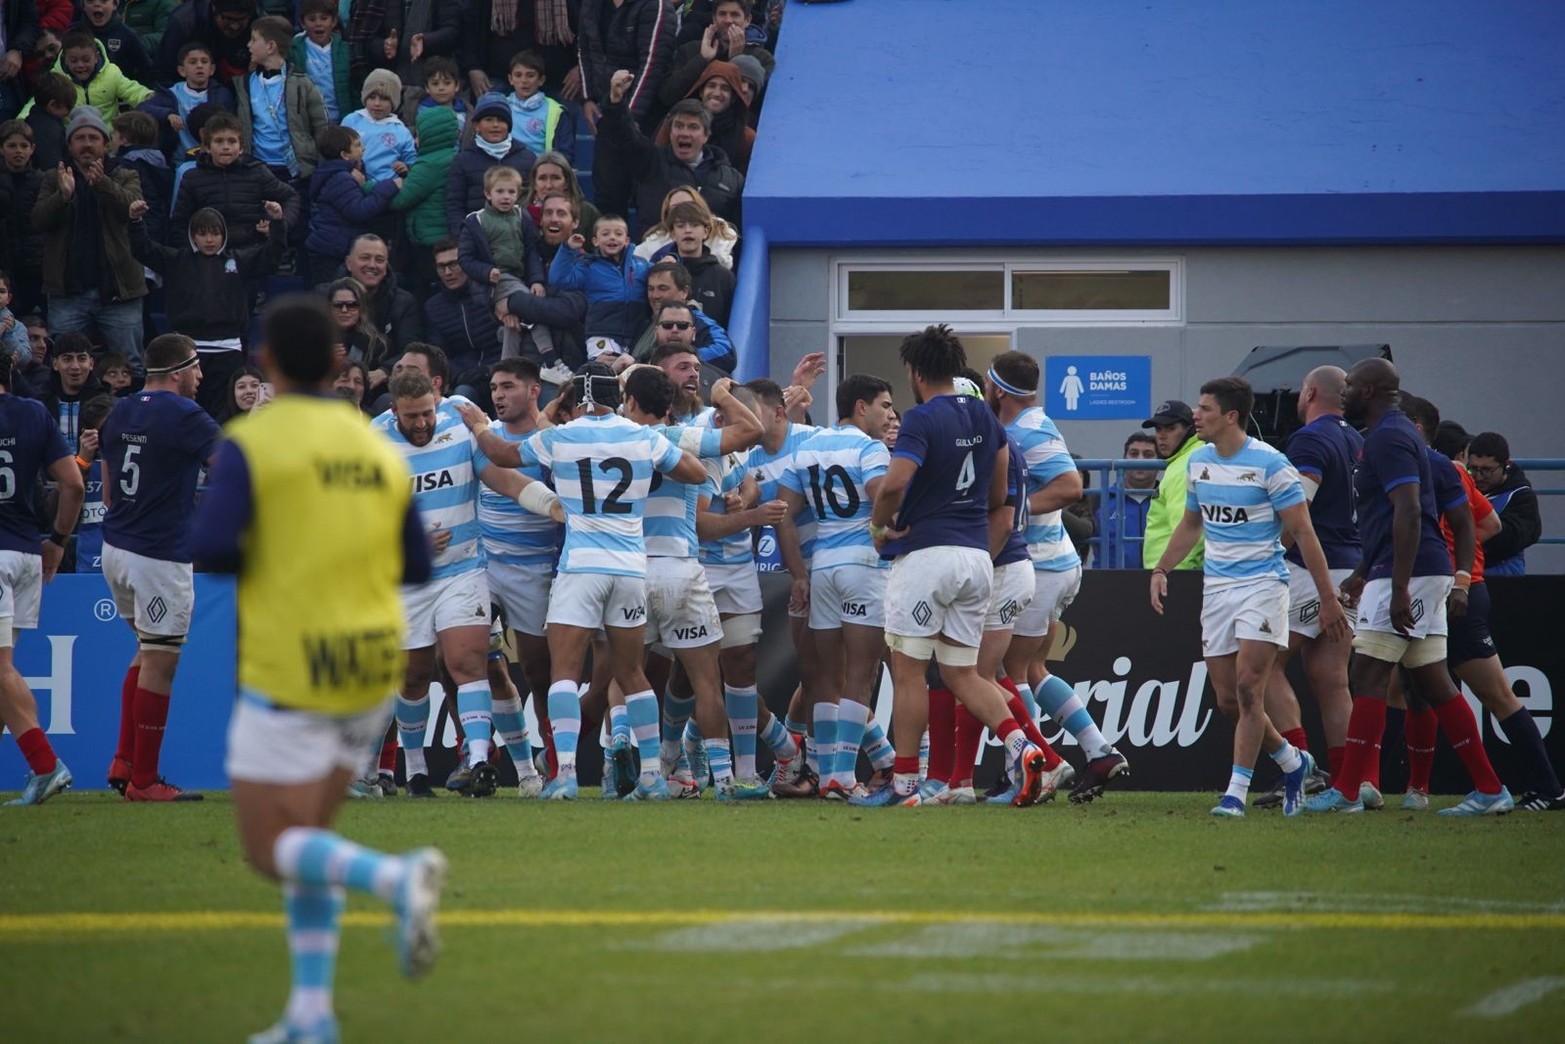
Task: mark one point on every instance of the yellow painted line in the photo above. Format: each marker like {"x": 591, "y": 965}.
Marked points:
{"x": 236, "y": 920}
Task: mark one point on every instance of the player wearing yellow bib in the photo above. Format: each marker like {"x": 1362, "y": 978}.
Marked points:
{"x": 313, "y": 511}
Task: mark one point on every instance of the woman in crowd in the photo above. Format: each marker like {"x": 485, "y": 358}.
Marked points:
{"x": 721, "y": 237}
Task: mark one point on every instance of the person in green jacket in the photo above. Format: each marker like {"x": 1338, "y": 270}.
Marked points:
{"x": 149, "y": 18}
{"x": 1174, "y": 428}
{"x": 423, "y": 194}
{"x": 98, "y": 81}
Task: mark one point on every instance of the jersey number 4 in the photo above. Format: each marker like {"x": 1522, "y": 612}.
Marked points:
{"x": 612, "y": 504}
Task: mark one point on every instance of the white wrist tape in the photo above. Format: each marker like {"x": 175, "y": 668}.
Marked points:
{"x": 537, "y": 498}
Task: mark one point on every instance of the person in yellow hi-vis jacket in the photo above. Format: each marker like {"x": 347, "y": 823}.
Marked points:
{"x": 1174, "y": 428}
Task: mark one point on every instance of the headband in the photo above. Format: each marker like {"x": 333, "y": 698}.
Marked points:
{"x": 183, "y": 364}
{"x": 1008, "y": 388}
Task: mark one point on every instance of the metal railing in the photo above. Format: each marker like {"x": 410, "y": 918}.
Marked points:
{"x": 1532, "y": 464}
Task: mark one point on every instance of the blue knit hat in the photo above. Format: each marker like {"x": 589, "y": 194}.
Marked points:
{"x": 493, "y": 104}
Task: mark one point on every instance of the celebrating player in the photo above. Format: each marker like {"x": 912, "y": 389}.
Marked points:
{"x": 154, "y": 445}
{"x": 1243, "y": 494}
{"x": 313, "y": 511}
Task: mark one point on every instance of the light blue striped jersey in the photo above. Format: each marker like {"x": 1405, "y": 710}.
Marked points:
{"x": 768, "y": 470}
{"x": 701, "y": 418}
{"x": 671, "y": 506}
{"x": 1043, "y": 450}
{"x": 1238, "y": 498}
{"x": 728, "y": 474}
{"x": 445, "y": 485}
{"x": 832, "y": 471}
{"x": 602, "y": 466}
{"x": 512, "y": 534}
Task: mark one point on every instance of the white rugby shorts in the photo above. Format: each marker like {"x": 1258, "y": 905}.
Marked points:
{"x": 1054, "y": 593}
{"x": 595, "y": 600}
{"x": 939, "y": 590}
{"x": 152, "y": 595}
{"x": 1254, "y": 611}
{"x": 1304, "y": 600}
{"x": 441, "y": 605}
{"x": 1428, "y": 594}
{"x": 286, "y": 746}
{"x": 522, "y": 593}
{"x": 680, "y": 611}
{"x": 736, "y": 588}
{"x": 21, "y": 593}
{"x": 848, "y": 594}
{"x": 1014, "y": 589}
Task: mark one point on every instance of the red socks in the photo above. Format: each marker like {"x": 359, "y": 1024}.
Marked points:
{"x": 942, "y": 734}
{"x": 1461, "y": 730}
{"x": 388, "y": 755}
{"x": 1362, "y": 755}
{"x": 1334, "y": 761}
{"x": 1297, "y": 738}
{"x": 35, "y": 748}
{"x": 127, "y": 743}
{"x": 1029, "y": 729}
{"x": 1419, "y": 731}
{"x": 151, "y": 719}
{"x": 969, "y": 732}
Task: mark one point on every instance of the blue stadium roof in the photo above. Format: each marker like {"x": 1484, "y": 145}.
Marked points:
{"x": 946, "y": 122}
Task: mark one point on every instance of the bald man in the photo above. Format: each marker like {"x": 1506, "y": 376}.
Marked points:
{"x": 1324, "y": 451}
{"x": 1401, "y": 586}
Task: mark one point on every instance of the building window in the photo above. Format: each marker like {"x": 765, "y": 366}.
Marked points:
{"x": 1073, "y": 290}
{"x": 914, "y": 289}
{"x": 1063, "y": 291}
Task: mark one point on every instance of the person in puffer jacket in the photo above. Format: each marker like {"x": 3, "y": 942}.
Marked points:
{"x": 343, "y": 201}
{"x": 615, "y": 282}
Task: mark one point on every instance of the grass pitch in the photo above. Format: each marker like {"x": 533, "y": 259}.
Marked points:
{"x": 1137, "y": 918}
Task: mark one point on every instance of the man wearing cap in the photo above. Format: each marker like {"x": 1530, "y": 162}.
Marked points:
{"x": 90, "y": 276}
{"x": 1173, "y": 425}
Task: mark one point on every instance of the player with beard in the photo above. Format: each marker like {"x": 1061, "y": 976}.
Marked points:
{"x": 451, "y": 611}
{"x": 1401, "y": 588}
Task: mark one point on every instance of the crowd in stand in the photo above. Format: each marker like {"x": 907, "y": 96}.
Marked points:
{"x": 166, "y": 165}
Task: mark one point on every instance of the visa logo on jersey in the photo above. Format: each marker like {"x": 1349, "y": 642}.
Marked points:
{"x": 1225, "y": 514}
{"x": 430, "y": 481}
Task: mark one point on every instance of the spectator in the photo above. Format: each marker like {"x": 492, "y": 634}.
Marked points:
{"x": 207, "y": 288}
{"x": 752, "y": 81}
{"x": 633, "y": 36}
{"x": 96, "y": 81}
{"x": 86, "y": 551}
{"x": 395, "y": 311}
{"x": 614, "y": 281}
{"x": 343, "y": 201}
{"x": 242, "y": 394}
{"x": 686, "y": 160}
{"x": 1452, "y": 439}
{"x": 1124, "y": 507}
{"x": 196, "y": 125}
{"x": 352, "y": 382}
{"x": 658, "y": 241}
{"x": 724, "y": 30}
{"x": 553, "y": 323}
{"x": 498, "y": 246}
{"x": 83, "y": 211}
{"x": 45, "y": 53}
{"x": 32, "y": 376}
{"x": 537, "y": 120}
{"x": 21, "y": 247}
{"x": 114, "y": 373}
{"x": 70, "y": 385}
{"x": 354, "y": 312}
{"x": 150, "y": 20}
{"x": 234, "y": 184}
{"x": 53, "y": 99}
{"x": 720, "y": 91}
{"x": 172, "y": 106}
{"x": 667, "y": 281}
{"x": 460, "y": 318}
{"x": 411, "y": 33}
{"x": 388, "y": 144}
{"x": 1504, "y": 482}
{"x": 1079, "y": 518}
{"x": 135, "y": 145}
{"x": 223, "y": 25}
{"x": 1173, "y": 427}
{"x": 122, "y": 45}
{"x": 491, "y": 143}
{"x": 322, "y": 53}
{"x": 19, "y": 33}
{"x": 711, "y": 285}
{"x": 422, "y": 197}
{"x": 442, "y": 81}
{"x": 280, "y": 109}
{"x": 13, "y": 332}
{"x": 552, "y": 173}
{"x": 497, "y": 29}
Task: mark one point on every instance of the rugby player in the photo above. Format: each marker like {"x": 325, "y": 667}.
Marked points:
{"x": 313, "y": 511}
{"x": 1242, "y": 495}
{"x": 154, "y": 445}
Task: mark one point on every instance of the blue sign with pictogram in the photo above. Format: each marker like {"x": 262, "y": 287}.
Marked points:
{"x": 1098, "y": 387}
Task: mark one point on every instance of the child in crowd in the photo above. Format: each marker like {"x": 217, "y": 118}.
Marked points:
{"x": 280, "y": 110}
{"x": 121, "y": 44}
{"x": 423, "y": 195}
{"x": 491, "y": 144}
{"x": 87, "y": 549}
{"x": 234, "y": 184}
{"x": 343, "y": 200}
{"x": 13, "y": 332}
{"x": 97, "y": 81}
{"x": 208, "y": 288}
{"x": 442, "y": 82}
{"x": 113, "y": 372}
{"x": 537, "y": 120}
{"x": 51, "y": 106}
{"x": 21, "y": 245}
{"x": 711, "y": 285}
{"x": 323, "y": 54}
{"x": 134, "y": 144}
{"x": 388, "y": 144}
{"x": 658, "y": 241}
{"x": 171, "y": 106}
{"x": 615, "y": 282}
{"x": 498, "y": 247}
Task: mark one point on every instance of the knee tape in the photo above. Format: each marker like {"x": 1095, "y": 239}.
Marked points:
{"x": 164, "y": 643}
{"x": 740, "y": 631}
{"x": 920, "y": 649}
{"x": 956, "y": 655}
{"x": 1380, "y": 645}
{"x": 1421, "y": 652}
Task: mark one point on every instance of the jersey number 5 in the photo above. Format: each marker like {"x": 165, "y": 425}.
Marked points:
{"x": 612, "y": 505}
{"x": 130, "y": 472}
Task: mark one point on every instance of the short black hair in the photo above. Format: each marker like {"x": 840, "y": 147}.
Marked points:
{"x": 674, "y": 270}
{"x": 439, "y": 362}
{"x": 54, "y": 87}
{"x": 78, "y": 39}
{"x": 448, "y": 243}
{"x": 527, "y": 60}
{"x": 1233, "y": 394}
{"x": 1018, "y": 369}
{"x": 15, "y": 128}
{"x": 518, "y": 367}
{"x": 218, "y": 122}
{"x": 72, "y": 342}
{"x": 325, "y": 7}
{"x": 935, "y": 353}
{"x": 301, "y": 335}
{"x": 766, "y": 390}
{"x": 856, "y": 388}
{"x": 1136, "y": 437}
{"x": 136, "y": 128}
{"x": 1423, "y": 412}
{"x": 335, "y": 140}
{"x": 95, "y": 411}
{"x": 691, "y": 107}
{"x": 652, "y": 389}
{"x": 1451, "y": 438}
{"x": 1490, "y": 444}
{"x": 440, "y": 65}
{"x": 668, "y": 351}
{"x": 167, "y": 350}
{"x": 196, "y": 46}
